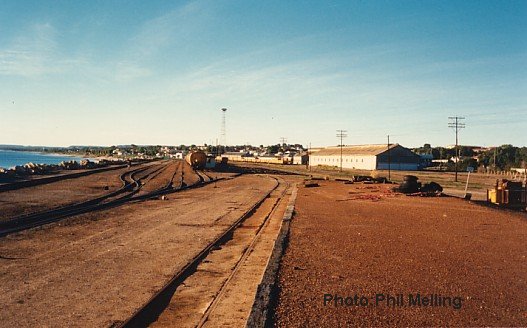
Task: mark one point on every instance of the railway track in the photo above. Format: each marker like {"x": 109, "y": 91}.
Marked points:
{"x": 49, "y": 179}
{"x": 150, "y": 312}
{"x": 133, "y": 183}
{"x": 239, "y": 263}
{"x": 204, "y": 177}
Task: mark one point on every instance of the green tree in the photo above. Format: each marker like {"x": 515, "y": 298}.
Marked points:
{"x": 273, "y": 149}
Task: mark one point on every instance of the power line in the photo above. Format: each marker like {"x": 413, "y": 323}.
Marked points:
{"x": 509, "y": 112}
{"x": 341, "y": 134}
{"x": 456, "y": 125}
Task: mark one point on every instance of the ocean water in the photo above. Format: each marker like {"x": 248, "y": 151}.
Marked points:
{"x": 9, "y": 158}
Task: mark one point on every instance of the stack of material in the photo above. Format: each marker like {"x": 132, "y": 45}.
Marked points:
{"x": 411, "y": 186}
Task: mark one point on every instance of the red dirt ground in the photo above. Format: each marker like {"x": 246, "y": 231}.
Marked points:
{"x": 362, "y": 239}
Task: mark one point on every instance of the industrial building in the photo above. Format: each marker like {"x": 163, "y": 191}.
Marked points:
{"x": 367, "y": 157}
{"x": 300, "y": 158}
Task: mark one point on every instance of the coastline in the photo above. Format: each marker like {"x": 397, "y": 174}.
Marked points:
{"x": 25, "y": 158}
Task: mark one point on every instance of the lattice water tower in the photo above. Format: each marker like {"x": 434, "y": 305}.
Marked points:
{"x": 223, "y": 136}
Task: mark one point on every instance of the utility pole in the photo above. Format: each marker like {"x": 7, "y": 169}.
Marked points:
{"x": 217, "y": 153}
{"x": 341, "y": 134}
{"x": 456, "y": 125}
{"x": 495, "y": 150}
{"x": 283, "y": 142}
{"x": 309, "y": 156}
{"x": 389, "y": 171}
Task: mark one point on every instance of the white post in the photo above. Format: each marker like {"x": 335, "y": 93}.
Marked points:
{"x": 466, "y": 186}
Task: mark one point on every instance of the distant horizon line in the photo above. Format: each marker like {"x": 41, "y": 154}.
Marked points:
{"x": 238, "y": 145}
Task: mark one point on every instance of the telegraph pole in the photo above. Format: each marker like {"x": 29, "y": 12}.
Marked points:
{"x": 309, "y": 156}
{"x": 389, "y": 175}
{"x": 495, "y": 150}
{"x": 283, "y": 142}
{"x": 341, "y": 134}
{"x": 456, "y": 125}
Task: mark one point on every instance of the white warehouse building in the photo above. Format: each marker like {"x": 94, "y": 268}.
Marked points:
{"x": 367, "y": 157}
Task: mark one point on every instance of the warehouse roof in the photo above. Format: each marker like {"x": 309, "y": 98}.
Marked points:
{"x": 372, "y": 150}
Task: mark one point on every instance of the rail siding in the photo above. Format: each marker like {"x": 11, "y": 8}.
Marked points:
{"x": 151, "y": 310}
{"x": 265, "y": 299}
{"x": 36, "y": 182}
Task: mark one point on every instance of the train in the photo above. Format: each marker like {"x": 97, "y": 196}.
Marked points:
{"x": 259, "y": 159}
{"x": 197, "y": 159}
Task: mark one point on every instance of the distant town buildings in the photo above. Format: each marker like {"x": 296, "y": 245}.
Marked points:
{"x": 361, "y": 157}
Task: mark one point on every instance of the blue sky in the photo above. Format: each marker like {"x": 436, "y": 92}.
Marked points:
{"x": 158, "y": 72}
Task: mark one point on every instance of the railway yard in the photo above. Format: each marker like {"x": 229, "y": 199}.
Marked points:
{"x": 164, "y": 245}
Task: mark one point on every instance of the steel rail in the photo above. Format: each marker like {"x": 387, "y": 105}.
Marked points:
{"x": 212, "y": 306}
{"x": 28, "y": 217}
{"x": 40, "y": 218}
{"x": 55, "y": 178}
{"x": 150, "y": 311}
{"x": 103, "y": 202}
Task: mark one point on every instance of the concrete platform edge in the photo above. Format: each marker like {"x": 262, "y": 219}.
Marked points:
{"x": 266, "y": 293}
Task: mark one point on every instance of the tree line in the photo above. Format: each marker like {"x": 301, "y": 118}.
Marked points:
{"x": 499, "y": 158}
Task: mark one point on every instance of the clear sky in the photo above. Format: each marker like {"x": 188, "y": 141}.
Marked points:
{"x": 158, "y": 72}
